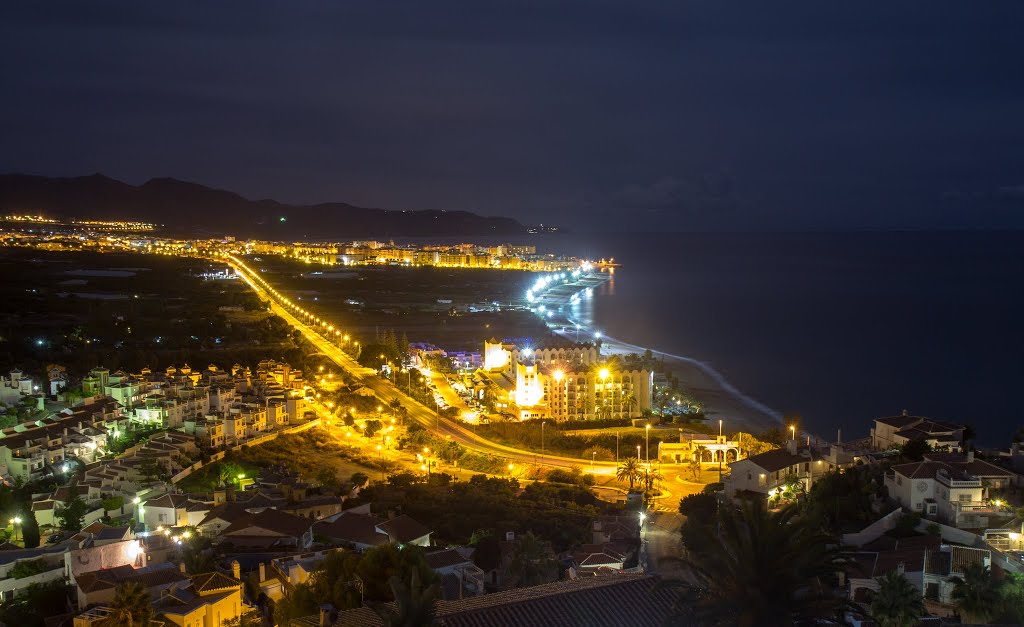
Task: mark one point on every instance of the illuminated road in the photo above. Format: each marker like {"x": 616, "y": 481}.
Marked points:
{"x": 673, "y": 487}
{"x": 386, "y": 391}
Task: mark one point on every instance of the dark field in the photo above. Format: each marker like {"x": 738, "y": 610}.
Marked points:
{"x": 405, "y": 299}
{"x": 122, "y": 310}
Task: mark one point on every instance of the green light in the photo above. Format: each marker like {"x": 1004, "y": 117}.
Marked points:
{"x": 283, "y": 219}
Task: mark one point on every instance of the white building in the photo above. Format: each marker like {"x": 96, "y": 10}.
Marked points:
{"x": 941, "y": 491}
{"x": 895, "y": 431}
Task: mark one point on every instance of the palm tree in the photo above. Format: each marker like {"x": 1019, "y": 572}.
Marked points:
{"x": 533, "y": 562}
{"x": 756, "y": 567}
{"x": 131, "y": 607}
{"x": 652, "y": 475}
{"x": 700, "y": 450}
{"x": 629, "y": 471}
{"x": 695, "y": 468}
{"x": 898, "y": 603}
{"x": 976, "y": 595}
{"x": 629, "y": 401}
{"x": 413, "y": 607}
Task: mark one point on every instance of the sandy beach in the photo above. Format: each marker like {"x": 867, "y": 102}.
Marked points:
{"x": 722, "y": 401}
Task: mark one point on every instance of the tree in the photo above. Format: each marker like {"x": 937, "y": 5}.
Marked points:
{"x": 131, "y": 606}
{"x": 112, "y": 503}
{"x": 651, "y": 476}
{"x": 197, "y": 555}
{"x": 629, "y": 471}
{"x": 29, "y": 530}
{"x": 359, "y": 479}
{"x": 694, "y": 467}
{"x": 327, "y": 479}
{"x": 976, "y": 595}
{"x": 1012, "y": 600}
{"x": 914, "y": 450}
{"x": 36, "y": 603}
{"x": 897, "y": 603}
{"x": 756, "y": 567}
{"x": 414, "y": 605}
{"x": 153, "y": 470}
{"x": 250, "y": 618}
{"x": 699, "y": 451}
{"x": 72, "y": 515}
{"x": 533, "y": 561}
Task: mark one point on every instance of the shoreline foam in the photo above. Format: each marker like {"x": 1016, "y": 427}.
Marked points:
{"x": 721, "y": 400}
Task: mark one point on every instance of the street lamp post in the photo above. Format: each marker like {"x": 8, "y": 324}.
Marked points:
{"x": 542, "y": 439}
{"x": 638, "y": 453}
{"x": 593, "y": 461}
{"x": 648, "y": 445}
{"x": 722, "y": 457}
{"x": 14, "y": 523}
{"x": 617, "y": 434}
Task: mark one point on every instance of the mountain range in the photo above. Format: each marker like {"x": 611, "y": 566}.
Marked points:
{"x": 182, "y": 207}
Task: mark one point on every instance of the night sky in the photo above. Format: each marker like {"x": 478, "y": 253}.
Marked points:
{"x": 597, "y": 115}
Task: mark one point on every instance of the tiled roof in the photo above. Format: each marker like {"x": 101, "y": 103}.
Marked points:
{"x": 403, "y": 529}
{"x": 776, "y": 459}
{"x": 354, "y": 528}
{"x": 976, "y": 467}
{"x": 900, "y": 422}
{"x": 228, "y": 512}
{"x": 213, "y": 581}
{"x": 928, "y": 470}
{"x": 168, "y": 500}
{"x": 273, "y": 521}
{"x": 150, "y": 576}
{"x": 607, "y": 601}
{"x": 442, "y": 559}
{"x": 112, "y": 533}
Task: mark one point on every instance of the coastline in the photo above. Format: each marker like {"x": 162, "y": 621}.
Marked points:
{"x": 722, "y": 400}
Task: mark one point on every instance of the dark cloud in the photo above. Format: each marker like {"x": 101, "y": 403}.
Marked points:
{"x": 821, "y": 114}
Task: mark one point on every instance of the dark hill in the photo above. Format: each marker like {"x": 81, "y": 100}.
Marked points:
{"x": 185, "y": 207}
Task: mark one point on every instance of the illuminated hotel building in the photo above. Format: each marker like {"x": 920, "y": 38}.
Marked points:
{"x": 564, "y": 383}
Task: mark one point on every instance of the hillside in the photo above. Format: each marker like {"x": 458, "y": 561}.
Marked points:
{"x": 184, "y": 207}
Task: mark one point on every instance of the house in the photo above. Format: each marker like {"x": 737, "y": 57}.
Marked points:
{"x": 895, "y": 431}
{"x": 364, "y": 531}
{"x": 460, "y": 577}
{"x": 168, "y": 510}
{"x": 609, "y": 601}
{"x": 290, "y": 570}
{"x": 927, "y": 563}
{"x": 994, "y": 477}
{"x": 269, "y": 528}
{"x": 205, "y": 599}
{"x": 940, "y": 491}
{"x": 767, "y": 474}
{"x": 589, "y": 558}
{"x": 220, "y": 518}
{"x": 21, "y": 568}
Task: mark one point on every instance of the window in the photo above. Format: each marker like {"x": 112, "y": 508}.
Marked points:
{"x": 917, "y": 505}
{"x": 161, "y": 517}
{"x": 964, "y": 498}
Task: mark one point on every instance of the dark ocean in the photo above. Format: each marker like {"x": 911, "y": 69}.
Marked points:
{"x": 839, "y": 328}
